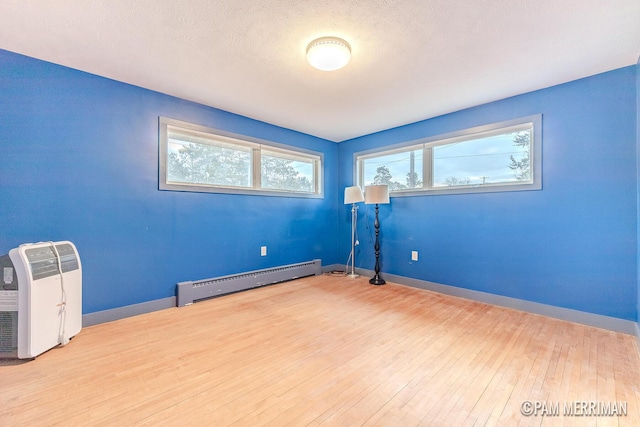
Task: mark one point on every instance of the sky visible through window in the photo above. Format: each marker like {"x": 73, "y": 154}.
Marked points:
{"x": 471, "y": 162}
{"x": 480, "y": 161}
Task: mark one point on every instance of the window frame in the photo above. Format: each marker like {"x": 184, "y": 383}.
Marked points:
{"x": 469, "y": 134}
{"x": 254, "y": 144}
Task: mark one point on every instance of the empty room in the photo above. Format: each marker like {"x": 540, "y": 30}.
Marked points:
{"x": 347, "y": 213}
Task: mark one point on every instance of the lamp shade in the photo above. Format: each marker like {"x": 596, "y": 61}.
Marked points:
{"x": 352, "y": 195}
{"x": 376, "y": 194}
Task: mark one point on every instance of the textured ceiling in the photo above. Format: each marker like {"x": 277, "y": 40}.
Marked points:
{"x": 412, "y": 60}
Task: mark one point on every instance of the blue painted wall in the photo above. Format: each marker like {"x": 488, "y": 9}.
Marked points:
{"x": 638, "y": 181}
{"x": 79, "y": 162}
{"x": 572, "y": 244}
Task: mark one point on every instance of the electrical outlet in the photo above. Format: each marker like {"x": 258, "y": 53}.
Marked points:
{"x": 263, "y": 251}
{"x": 414, "y": 255}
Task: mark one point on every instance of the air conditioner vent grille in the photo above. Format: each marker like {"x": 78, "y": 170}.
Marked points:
{"x": 8, "y": 332}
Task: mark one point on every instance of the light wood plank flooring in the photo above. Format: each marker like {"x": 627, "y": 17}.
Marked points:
{"x": 325, "y": 351}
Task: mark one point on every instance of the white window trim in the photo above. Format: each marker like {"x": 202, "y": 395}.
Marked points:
{"x": 255, "y": 144}
{"x": 465, "y": 134}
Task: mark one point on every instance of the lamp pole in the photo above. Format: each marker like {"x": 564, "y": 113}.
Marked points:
{"x": 353, "y": 195}
{"x": 375, "y": 195}
{"x": 377, "y": 279}
{"x": 354, "y": 222}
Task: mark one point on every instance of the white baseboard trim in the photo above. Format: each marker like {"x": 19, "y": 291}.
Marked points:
{"x": 589, "y": 319}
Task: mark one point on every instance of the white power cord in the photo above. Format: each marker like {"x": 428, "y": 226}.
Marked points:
{"x": 62, "y": 338}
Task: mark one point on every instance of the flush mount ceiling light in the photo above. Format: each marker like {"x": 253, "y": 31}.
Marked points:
{"x": 328, "y": 53}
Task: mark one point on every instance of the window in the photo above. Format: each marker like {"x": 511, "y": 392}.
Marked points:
{"x": 195, "y": 158}
{"x": 503, "y": 156}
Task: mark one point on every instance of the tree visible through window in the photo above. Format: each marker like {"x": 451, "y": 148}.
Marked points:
{"x": 195, "y": 159}
{"x": 521, "y": 166}
{"x": 286, "y": 174}
{"x": 399, "y": 170}
{"x": 191, "y": 162}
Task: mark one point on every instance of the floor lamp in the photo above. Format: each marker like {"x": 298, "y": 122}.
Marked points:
{"x": 353, "y": 195}
{"x": 376, "y": 194}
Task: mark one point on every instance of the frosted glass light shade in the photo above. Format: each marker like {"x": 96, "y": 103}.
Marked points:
{"x": 376, "y": 194}
{"x": 328, "y": 53}
{"x": 353, "y": 195}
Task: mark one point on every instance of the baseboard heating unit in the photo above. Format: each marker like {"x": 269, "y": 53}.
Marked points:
{"x": 194, "y": 291}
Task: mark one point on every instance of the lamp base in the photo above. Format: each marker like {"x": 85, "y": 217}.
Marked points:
{"x": 377, "y": 280}
{"x": 352, "y": 275}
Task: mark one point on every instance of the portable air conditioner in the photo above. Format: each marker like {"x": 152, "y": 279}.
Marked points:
{"x": 40, "y": 298}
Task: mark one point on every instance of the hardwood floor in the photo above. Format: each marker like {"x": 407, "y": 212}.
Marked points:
{"x": 328, "y": 351}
